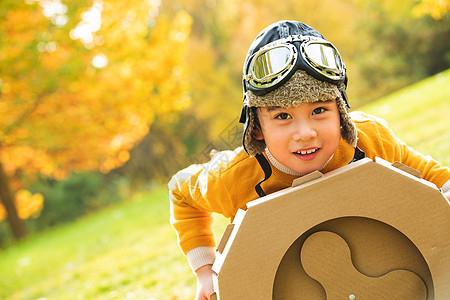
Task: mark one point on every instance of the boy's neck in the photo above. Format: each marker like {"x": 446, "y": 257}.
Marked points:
{"x": 340, "y": 158}
{"x": 279, "y": 165}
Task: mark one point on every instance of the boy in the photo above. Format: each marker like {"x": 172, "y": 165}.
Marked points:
{"x": 295, "y": 122}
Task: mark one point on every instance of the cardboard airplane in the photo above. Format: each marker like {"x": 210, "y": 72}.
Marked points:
{"x": 370, "y": 230}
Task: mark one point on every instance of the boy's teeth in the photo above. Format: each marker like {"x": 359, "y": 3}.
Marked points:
{"x": 307, "y": 151}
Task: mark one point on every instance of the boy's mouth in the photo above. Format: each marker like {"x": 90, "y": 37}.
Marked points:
{"x": 307, "y": 154}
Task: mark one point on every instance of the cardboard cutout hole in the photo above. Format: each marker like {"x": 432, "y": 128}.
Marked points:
{"x": 376, "y": 249}
{"x": 326, "y": 257}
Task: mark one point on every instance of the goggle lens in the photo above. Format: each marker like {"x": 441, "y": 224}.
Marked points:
{"x": 271, "y": 62}
{"x": 324, "y": 56}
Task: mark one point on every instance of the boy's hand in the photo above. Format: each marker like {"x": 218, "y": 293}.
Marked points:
{"x": 447, "y": 195}
{"x": 204, "y": 282}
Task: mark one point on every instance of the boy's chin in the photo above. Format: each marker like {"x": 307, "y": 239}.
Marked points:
{"x": 304, "y": 170}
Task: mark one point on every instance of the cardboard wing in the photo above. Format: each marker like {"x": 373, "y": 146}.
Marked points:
{"x": 370, "y": 230}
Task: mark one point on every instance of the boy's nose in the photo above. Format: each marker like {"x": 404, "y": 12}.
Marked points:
{"x": 304, "y": 132}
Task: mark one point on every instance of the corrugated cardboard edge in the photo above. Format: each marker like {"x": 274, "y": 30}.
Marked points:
{"x": 407, "y": 169}
{"x": 239, "y": 220}
{"x": 310, "y": 180}
{"x": 225, "y": 237}
{"x": 307, "y": 178}
{"x": 228, "y": 240}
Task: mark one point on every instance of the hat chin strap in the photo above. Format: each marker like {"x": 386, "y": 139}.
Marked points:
{"x": 265, "y": 165}
{"x": 359, "y": 154}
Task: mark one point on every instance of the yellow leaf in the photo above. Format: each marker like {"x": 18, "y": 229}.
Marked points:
{"x": 28, "y": 204}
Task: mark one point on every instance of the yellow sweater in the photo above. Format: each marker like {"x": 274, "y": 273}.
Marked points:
{"x": 227, "y": 182}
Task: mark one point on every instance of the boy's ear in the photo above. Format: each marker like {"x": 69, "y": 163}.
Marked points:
{"x": 257, "y": 134}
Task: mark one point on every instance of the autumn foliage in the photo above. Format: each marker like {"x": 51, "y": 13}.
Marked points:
{"x": 81, "y": 82}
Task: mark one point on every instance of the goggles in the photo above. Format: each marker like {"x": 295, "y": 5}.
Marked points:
{"x": 272, "y": 65}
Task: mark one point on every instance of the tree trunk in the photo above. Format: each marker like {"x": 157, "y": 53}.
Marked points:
{"x": 7, "y": 199}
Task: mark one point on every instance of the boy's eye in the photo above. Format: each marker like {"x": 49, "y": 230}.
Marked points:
{"x": 319, "y": 110}
{"x": 282, "y": 116}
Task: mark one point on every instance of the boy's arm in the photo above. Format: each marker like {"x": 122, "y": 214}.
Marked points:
{"x": 190, "y": 208}
{"x": 192, "y": 225}
{"x": 205, "y": 286}
{"x": 378, "y": 140}
{"x": 198, "y": 191}
{"x": 191, "y": 219}
{"x": 201, "y": 256}
{"x": 430, "y": 169}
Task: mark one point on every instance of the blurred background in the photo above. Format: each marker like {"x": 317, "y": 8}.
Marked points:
{"x": 101, "y": 100}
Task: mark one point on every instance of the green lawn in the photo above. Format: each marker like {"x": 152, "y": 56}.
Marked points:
{"x": 420, "y": 115}
{"x": 130, "y": 251}
{"x": 125, "y": 252}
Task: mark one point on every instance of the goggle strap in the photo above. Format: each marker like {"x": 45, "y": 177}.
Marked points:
{"x": 244, "y": 114}
{"x": 344, "y": 95}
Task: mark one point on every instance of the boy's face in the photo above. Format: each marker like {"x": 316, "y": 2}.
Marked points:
{"x": 302, "y": 138}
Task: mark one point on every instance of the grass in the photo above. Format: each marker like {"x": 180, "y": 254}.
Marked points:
{"x": 129, "y": 251}
{"x": 125, "y": 252}
{"x": 420, "y": 115}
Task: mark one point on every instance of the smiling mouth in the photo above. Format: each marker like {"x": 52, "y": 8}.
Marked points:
{"x": 306, "y": 152}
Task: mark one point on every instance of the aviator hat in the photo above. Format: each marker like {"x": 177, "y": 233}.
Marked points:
{"x": 304, "y": 84}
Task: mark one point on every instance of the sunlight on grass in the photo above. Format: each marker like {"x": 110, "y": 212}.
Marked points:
{"x": 129, "y": 251}
{"x": 420, "y": 115}
{"x": 125, "y": 252}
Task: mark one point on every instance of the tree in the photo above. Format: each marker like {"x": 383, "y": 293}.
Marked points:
{"x": 397, "y": 49}
{"x": 81, "y": 83}
{"x": 435, "y": 8}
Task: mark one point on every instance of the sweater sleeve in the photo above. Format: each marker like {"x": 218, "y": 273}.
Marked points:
{"x": 200, "y": 256}
{"x": 195, "y": 193}
{"x": 377, "y": 139}
{"x": 189, "y": 218}
{"x": 431, "y": 170}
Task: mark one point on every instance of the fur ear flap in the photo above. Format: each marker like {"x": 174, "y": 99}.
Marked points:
{"x": 253, "y": 145}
